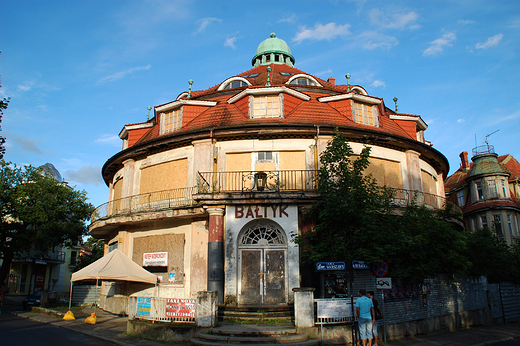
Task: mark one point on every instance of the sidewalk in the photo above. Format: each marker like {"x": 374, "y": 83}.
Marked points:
{"x": 112, "y": 328}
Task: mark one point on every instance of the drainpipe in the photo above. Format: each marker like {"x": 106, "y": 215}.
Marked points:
{"x": 316, "y": 150}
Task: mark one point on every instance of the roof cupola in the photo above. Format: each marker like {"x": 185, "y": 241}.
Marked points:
{"x": 273, "y": 51}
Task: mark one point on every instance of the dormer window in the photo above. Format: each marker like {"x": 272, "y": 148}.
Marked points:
{"x": 266, "y": 106}
{"x": 365, "y": 114}
{"x": 171, "y": 121}
{"x": 235, "y": 84}
{"x": 302, "y": 81}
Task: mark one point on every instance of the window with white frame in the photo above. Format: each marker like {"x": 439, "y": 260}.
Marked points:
{"x": 480, "y": 192}
{"x": 460, "y": 197}
{"x": 483, "y": 221}
{"x": 504, "y": 188}
{"x": 492, "y": 188}
{"x": 497, "y": 224}
{"x": 302, "y": 81}
{"x": 235, "y": 84}
{"x": 264, "y": 156}
{"x": 266, "y": 106}
{"x": 510, "y": 224}
{"x": 365, "y": 114}
{"x": 171, "y": 121}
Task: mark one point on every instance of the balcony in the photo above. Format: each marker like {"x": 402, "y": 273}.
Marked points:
{"x": 251, "y": 181}
{"x": 153, "y": 201}
{"x": 302, "y": 182}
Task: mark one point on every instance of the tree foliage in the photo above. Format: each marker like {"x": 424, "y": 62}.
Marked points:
{"x": 357, "y": 220}
{"x": 35, "y": 208}
{"x": 97, "y": 246}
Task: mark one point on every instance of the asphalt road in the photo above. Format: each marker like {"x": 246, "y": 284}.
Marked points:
{"x": 18, "y": 331}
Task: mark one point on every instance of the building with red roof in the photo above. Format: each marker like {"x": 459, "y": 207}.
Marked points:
{"x": 488, "y": 191}
{"x": 218, "y": 179}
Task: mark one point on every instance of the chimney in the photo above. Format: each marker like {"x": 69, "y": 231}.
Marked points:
{"x": 464, "y": 160}
{"x": 331, "y": 81}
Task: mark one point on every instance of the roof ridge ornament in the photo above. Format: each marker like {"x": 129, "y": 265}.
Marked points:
{"x": 268, "y": 84}
{"x": 348, "y": 81}
{"x": 190, "y": 82}
{"x": 395, "y": 101}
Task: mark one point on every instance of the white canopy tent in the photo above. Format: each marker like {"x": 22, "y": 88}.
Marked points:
{"x": 115, "y": 266}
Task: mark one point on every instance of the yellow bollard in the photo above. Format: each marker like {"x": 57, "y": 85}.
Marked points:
{"x": 69, "y": 316}
{"x": 92, "y": 319}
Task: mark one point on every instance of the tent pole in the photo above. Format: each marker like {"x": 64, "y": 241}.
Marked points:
{"x": 70, "y": 294}
{"x": 95, "y": 305}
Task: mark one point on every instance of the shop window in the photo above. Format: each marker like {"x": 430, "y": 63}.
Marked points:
{"x": 171, "y": 121}
{"x": 266, "y": 106}
{"x": 365, "y": 114}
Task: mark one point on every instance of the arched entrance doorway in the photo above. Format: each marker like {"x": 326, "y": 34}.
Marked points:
{"x": 262, "y": 253}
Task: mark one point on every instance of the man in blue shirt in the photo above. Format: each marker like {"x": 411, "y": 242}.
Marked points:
{"x": 366, "y": 316}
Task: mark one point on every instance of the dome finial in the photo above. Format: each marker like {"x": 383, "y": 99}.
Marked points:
{"x": 273, "y": 35}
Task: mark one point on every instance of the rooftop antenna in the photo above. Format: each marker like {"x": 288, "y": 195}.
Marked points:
{"x": 268, "y": 84}
{"x": 190, "y": 82}
{"x": 395, "y": 101}
{"x": 149, "y": 109}
{"x": 486, "y": 140}
{"x": 348, "y": 81}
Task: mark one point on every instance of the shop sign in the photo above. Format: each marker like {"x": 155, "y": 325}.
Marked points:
{"x": 330, "y": 266}
{"x": 39, "y": 261}
{"x": 156, "y": 259}
{"x": 261, "y": 211}
{"x": 144, "y": 306}
{"x": 177, "y": 307}
{"x": 360, "y": 265}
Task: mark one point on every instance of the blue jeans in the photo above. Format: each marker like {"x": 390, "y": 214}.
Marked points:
{"x": 365, "y": 328}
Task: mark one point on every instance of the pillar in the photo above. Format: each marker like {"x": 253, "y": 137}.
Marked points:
{"x": 303, "y": 307}
{"x": 216, "y": 252}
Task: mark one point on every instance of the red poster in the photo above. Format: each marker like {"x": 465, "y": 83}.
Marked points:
{"x": 179, "y": 307}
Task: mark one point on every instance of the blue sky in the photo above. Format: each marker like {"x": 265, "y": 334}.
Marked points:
{"x": 78, "y": 71}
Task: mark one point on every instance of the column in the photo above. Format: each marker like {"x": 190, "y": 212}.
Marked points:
{"x": 216, "y": 252}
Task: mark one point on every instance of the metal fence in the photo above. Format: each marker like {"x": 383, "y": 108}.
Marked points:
{"x": 166, "y": 199}
{"x": 259, "y": 181}
{"x": 178, "y": 310}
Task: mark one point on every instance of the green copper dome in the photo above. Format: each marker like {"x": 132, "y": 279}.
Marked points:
{"x": 273, "y": 50}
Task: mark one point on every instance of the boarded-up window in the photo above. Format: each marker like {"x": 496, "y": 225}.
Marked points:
{"x": 385, "y": 172}
{"x": 293, "y": 175}
{"x": 165, "y": 176}
{"x": 118, "y": 189}
{"x": 238, "y": 162}
{"x": 428, "y": 183}
{"x": 171, "y": 243}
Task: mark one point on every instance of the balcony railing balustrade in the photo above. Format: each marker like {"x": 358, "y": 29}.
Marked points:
{"x": 241, "y": 182}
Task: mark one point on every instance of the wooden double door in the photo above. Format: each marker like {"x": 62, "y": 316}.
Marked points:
{"x": 262, "y": 276}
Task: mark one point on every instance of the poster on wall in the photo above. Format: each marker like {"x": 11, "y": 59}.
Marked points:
{"x": 155, "y": 259}
{"x": 177, "y": 307}
{"x": 144, "y": 305}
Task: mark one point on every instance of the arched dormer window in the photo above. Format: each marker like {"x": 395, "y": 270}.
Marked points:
{"x": 235, "y": 82}
{"x": 303, "y": 79}
{"x": 359, "y": 91}
{"x": 183, "y": 95}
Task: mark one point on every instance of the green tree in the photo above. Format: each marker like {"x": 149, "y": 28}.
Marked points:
{"x": 35, "y": 208}
{"x": 97, "y": 246}
{"x": 357, "y": 219}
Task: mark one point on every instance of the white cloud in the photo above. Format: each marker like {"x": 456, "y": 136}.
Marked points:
{"x": 109, "y": 139}
{"x": 466, "y": 21}
{"x": 437, "y": 46}
{"x": 204, "y": 22}
{"x": 230, "y": 42}
{"x": 461, "y": 120}
{"x": 88, "y": 175}
{"x": 26, "y": 86}
{"x": 328, "y": 71}
{"x": 119, "y": 75}
{"x": 291, "y": 19}
{"x": 378, "y": 83}
{"x": 491, "y": 42}
{"x": 322, "y": 32}
{"x": 25, "y": 144}
{"x": 372, "y": 40}
{"x": 394, "y": 20}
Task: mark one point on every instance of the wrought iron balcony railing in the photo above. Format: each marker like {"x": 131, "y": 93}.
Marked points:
{"x": 167, "y": 199}
{"x": 259, "y": 181}
{"x": 242, "y": 182}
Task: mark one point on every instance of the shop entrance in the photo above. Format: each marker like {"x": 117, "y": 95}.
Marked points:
{"x": 262, "y": 253}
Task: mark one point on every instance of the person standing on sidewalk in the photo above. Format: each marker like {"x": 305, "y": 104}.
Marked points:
{"x": 378, "y": 316}
{"x": 366, "y": 317}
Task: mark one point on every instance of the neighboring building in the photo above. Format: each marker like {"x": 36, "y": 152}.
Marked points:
{"x": 209, "y": 192}
{"x": 487, "y": 191}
